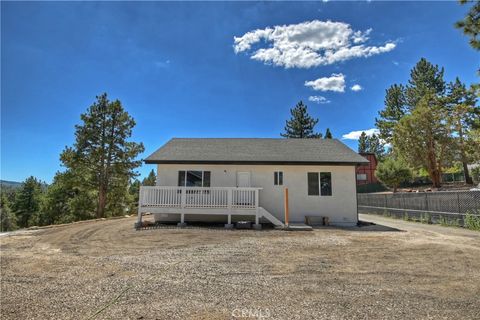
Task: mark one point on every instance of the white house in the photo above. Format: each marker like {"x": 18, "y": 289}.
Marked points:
{"x": 236, "y": 179}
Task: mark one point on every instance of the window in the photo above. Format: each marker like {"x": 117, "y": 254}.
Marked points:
{"x": 361, "y": 176}
{"x": 278, "y": 178}
{"x": 194, "y": 178}
{"x": 319, "y": 183}
{"x": 313, "y": 184}
{"x": 181, "y": 178}
{"x": 326, "y": 183}
{"x": 206, "y": 179}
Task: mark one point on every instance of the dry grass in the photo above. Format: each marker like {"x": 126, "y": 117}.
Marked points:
{"x": 72, "y": 272}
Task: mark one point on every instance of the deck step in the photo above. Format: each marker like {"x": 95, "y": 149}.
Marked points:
{"x": 267, "y": 215}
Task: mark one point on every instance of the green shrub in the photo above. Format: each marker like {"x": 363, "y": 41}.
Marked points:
{"x": 371, "y": 187}
{"x": 425, "y": 218}
{"x": 405, "y": 217}
{"x": 443, "y": 221}
{"x": 428, "y": 218}
{"x": 454, "y": 222}
{"x": 472, "y": 221}
{"x": 393, "y": 173}
{"x": 476, "y": 174}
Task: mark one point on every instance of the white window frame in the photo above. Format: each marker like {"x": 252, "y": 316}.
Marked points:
{"x": 203, "y": 178}
{"x": 320, "y": 184}
{"x": 276, "y": 176}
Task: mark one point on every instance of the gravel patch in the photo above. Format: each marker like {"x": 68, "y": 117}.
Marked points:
{"x": 106, "y": 270}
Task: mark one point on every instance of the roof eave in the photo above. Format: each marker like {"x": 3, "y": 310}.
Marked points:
{"x": 298, "y": 163}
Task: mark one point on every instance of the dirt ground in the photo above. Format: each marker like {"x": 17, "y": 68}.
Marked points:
{"x": 107, "y": 270}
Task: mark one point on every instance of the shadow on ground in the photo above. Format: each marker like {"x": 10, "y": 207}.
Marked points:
{"x": 370, "y": 226}
{"x": 364, "y": 226}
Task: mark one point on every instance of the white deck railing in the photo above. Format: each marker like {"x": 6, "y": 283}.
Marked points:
{"x": 196, "y": 197}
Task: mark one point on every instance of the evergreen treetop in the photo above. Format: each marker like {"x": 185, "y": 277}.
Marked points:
{"x": 328, "y": 134}
{"x": 150, "y": 180}
{"x": 301, "y": 125}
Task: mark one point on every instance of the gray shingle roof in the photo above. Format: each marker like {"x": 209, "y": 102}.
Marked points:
{"x": 255, "y": 150}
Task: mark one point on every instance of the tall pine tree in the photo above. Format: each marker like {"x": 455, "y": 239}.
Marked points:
{"x": 8, "y": 220}
{"x": 363, "y": 143}
{"x": 471, "y": 24}
{"x": 423, "y": 139}
{"x": 27, "y": 202}
{"x": 301, "y": 125}
{"x": 328, "y": 134}
{"x": 425, "y": 79}
{"x": 425, "y": 146}
{"x": 371, "y": 144}
{"x": 102, "y": 156}
{"x": 395, "y": 109}
{"x": 464, "y": 117}
{"x": 375, "y": 145}
{"x": 150, "y": 180}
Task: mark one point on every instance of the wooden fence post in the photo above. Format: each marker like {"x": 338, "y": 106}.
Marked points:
{"x": 286, "y": 206}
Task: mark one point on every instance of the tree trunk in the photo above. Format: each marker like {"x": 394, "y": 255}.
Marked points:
{"x": 25, "y": 219}
{"x": 433, "y": 167}
{"x": 468, "y": 179}
{"x": 435, "y": 176}
{"x": 466, "y": 173}
{"x": 102, "y": 201}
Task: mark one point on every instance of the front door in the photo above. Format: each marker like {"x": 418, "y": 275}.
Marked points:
{"x": 243, "y": 180}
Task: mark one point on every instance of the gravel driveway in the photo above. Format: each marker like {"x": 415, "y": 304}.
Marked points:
{"x": 106, "y": 270}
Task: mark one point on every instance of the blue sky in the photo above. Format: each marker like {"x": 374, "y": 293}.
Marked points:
{"x": 179, "y": 72}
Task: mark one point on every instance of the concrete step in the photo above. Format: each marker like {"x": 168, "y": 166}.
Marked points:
{"x": 299, "y": 227}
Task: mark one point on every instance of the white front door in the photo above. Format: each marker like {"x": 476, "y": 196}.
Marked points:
{"x": 243, "y": 180}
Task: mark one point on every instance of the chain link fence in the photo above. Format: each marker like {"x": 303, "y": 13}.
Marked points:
{"x": 436, "y": 207}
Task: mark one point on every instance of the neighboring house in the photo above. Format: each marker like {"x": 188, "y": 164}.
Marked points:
{"x": 366, "y": 171}
{"x": 236, "y": 179}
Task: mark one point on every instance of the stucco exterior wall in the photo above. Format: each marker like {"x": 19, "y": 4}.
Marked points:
{"x": 341, "y": 207}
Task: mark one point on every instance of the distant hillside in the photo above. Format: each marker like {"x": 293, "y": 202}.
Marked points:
{"x": 10, "y": 184}
{"x": 14, "y": 185}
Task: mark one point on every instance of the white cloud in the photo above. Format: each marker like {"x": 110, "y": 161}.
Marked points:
{"x": 308, "y": 44}
{"x": 356, "y": 87}
{"x": 318, "y": 99}
{"x": 336, "y": 82}
{"x": 360, "y": 37}
{"x": 354, "y": 135}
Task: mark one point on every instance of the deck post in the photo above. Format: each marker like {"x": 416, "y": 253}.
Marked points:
{"x": 229, "y": 224}
{"x": 138, "y": 224}
{"x": 257, "y": 224}
{"x": 183, "y": 198}
{"x": 229, "y": 200}
{"x": 182, "y": 223}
